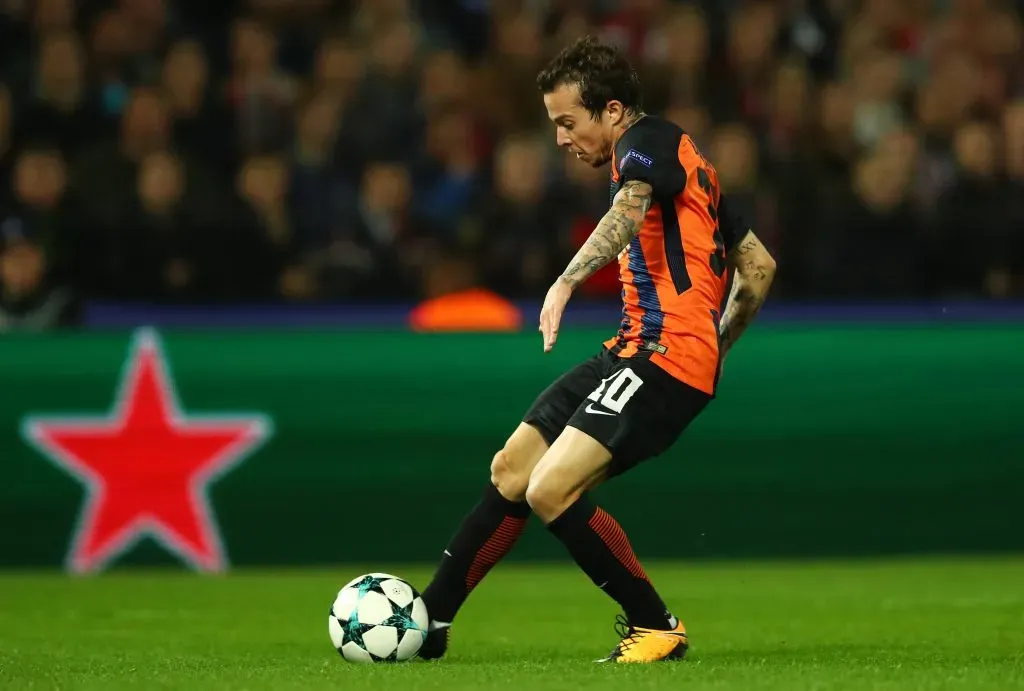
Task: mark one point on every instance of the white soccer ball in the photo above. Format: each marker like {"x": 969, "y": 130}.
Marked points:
{"x": 378, "y": 617}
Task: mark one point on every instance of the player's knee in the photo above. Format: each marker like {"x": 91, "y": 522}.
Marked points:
{"x": 546, "y": 498}
{"x": 510, "y": 480}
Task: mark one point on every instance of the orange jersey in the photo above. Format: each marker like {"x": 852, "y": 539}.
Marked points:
{"x": 673, "y": 273}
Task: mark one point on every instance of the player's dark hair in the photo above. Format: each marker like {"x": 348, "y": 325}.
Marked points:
{"x": 601, "y": 73}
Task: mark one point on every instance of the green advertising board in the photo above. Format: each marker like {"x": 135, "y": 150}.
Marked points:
{"x": 300, "y": 447}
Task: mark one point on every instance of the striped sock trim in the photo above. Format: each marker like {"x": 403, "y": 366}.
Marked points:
{"x": 612, "y": 534}
{"x": 497, "y": 546}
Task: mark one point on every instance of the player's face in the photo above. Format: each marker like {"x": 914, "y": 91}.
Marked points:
{"x": 589, "y": 139}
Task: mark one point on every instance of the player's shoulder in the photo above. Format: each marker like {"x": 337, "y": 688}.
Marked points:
{"x": 656, "y": 151}
{"x": 651, "y": 141}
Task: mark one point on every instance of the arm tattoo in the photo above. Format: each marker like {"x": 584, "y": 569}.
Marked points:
{"x": 754, "y": 271}
{"x": 747, "y": 246}
{"x": 613, "y": 233}
{"x": 752, "y": 279}
{"x": 749, "y": 289}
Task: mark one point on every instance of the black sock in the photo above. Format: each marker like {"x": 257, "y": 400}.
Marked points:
{"x": 486, "y": 535}
{"x": 599, "y": 545}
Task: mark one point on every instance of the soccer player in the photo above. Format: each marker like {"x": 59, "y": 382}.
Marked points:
{"x": 675, "y": 240}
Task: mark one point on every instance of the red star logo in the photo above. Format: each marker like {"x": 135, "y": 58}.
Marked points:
{"x": 146, "y": 466}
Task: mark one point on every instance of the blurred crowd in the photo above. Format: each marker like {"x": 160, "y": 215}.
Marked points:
{"x": 195, "y": 151}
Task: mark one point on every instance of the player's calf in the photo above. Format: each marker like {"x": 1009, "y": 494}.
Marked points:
{"x": 485, "y": 536}
{"x": 573, "y": 464}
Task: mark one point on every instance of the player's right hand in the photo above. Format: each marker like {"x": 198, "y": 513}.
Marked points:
{"x": 551, "y": 313}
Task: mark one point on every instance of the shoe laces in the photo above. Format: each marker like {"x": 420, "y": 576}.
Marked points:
{"x": 627, "y": 632}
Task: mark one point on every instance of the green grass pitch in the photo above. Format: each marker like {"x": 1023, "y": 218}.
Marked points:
{"x": 902, "y": 624}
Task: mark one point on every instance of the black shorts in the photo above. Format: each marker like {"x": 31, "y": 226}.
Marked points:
{"x": 630, "y": 405}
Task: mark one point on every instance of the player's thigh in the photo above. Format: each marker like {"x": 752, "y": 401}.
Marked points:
{"x": 573, "y": 464}
{"x": 637, "y": 413}
{"x": 514, "y": 462}
{"x": 512, "y": 466}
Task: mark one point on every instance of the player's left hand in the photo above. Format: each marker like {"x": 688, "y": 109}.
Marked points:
{"x": 551, "y": 313}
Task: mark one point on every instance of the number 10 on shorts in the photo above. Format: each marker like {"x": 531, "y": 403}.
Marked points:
{"x": 614, "y": 392}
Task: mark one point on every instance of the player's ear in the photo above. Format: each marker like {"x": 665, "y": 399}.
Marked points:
{"x": 615, "y": 112}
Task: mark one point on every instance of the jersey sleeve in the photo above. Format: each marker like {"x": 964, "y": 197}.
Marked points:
{"x": 651, "y": 155}
{"x": 730, "y": 224}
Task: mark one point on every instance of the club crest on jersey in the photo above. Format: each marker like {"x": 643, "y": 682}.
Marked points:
{"x": 638, "y": 157}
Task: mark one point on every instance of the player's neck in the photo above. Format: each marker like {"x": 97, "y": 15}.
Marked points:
{"x": 627, "y": 122}
{"x": 632, "y": 119}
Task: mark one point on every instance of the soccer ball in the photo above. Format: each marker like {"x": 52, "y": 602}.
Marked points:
{"x": 378, "y": 618}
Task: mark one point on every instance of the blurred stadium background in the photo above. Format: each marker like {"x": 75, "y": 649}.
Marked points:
{"x": 328, "y": 151}
{"x": 257, "y": 211}
{"x": 285, "y": 189}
